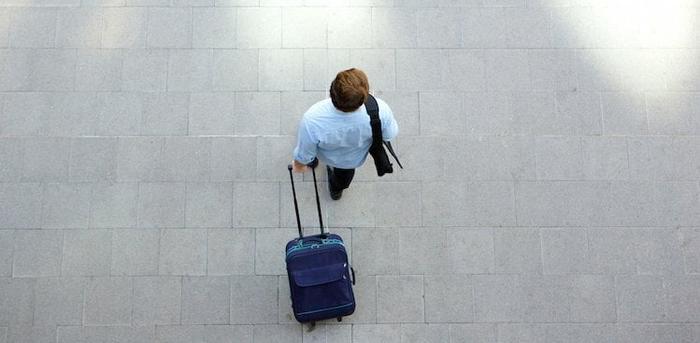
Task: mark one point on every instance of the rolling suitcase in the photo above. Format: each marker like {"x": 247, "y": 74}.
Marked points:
{"x": 319, "y": 272}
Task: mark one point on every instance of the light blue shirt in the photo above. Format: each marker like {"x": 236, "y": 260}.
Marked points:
{"x": 340, "y": 139}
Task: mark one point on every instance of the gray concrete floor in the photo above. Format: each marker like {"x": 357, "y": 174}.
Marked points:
{"x": 551, "y": 190}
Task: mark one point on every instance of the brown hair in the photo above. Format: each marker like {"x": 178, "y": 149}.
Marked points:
{"x": 349, "y": 89}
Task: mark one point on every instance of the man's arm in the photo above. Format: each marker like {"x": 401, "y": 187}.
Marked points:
{"x": 305, "y": 151}
{"x": 390, "y": 129}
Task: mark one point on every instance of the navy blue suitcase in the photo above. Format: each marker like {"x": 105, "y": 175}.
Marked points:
{"x": 320, "y": 276}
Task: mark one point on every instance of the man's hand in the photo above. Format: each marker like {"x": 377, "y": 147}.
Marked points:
{"x": 299, "y": 167}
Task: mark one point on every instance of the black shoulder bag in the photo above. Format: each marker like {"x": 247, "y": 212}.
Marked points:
{"x": 381, "y": 160}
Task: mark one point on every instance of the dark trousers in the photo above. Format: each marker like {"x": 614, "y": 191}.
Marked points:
{"x": 340, "y": 179}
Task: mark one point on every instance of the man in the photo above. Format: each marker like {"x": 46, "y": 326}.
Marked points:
{"x": 337, "y": 130}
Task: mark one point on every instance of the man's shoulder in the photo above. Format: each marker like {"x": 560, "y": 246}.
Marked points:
{"x": 384, "y": 108}
{"x": 319, "y": 108}
{"x": 314, "y": 116}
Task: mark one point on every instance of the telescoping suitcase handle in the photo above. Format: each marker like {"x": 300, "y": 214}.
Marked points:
{"x": 296, "y": 206}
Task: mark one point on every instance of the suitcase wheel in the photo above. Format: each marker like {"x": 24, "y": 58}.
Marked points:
{"x": 340, "y": 319}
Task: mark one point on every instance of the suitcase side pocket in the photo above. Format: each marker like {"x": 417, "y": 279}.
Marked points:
{"x": 321, "y": 289}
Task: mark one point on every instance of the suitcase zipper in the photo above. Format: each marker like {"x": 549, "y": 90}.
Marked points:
{"x": 325, "y": 309}
{"x": 301, "y": 246}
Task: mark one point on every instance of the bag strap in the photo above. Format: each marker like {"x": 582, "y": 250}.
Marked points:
{"x": 374, "y": 121}
{"x": 373, "y": 111}
{"x": 393, "y": 154}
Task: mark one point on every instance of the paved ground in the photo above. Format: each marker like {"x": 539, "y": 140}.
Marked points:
{"x": 551, "y": 193}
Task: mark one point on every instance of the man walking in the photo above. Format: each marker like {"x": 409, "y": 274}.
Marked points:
{"x": 337, "y": 130}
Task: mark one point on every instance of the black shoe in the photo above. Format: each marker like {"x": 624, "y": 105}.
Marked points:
{"x": 335, "y": 195}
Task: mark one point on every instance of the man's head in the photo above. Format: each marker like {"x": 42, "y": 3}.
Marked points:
{"x": 349, "y": 89}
